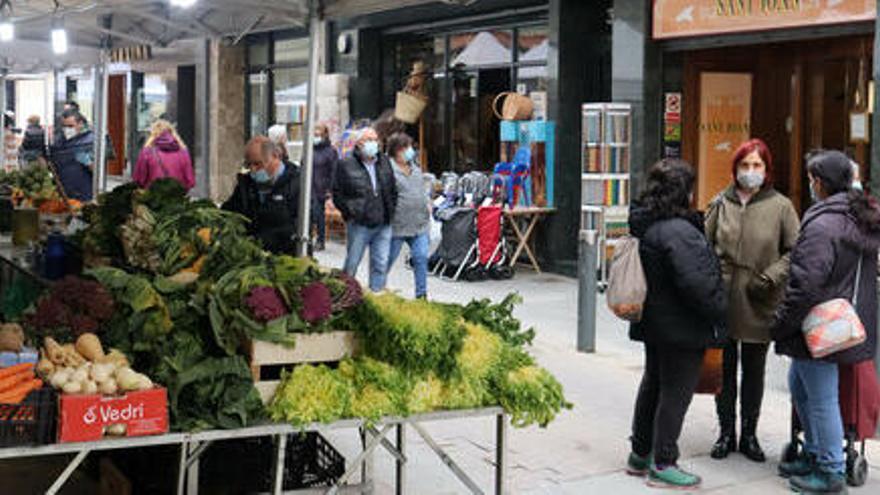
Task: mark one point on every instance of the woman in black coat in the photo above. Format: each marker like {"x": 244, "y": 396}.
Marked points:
{"x": 683, "y": 314}
{"x": 841, "y": 229}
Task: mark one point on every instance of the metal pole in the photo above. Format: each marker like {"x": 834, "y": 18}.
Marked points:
{"x": 305, "y": 188}
{"x": 3, "y": 114}
{"x": 101, "y": 76}
{"x": 400, "y": 464}
{"x": 587, "y": 283}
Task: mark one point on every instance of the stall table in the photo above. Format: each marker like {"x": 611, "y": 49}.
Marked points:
{"x": 523, "y": 221}
{"x": 193, "y": 445}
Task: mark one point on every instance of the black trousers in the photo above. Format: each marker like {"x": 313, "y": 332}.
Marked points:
{"x": 754, "y": 359}
{"x": 318, "y": 221}
{"x": 668, "y": 384}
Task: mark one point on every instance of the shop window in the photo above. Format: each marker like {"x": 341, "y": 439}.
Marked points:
{"x": 290, "y": 90}
{"x": 480, "y": 49}
{"x": 258, "y": 98}
{"x": 532, "y": 44}
{"x": 258, "y": 53}
{"x": 292, "y": 50}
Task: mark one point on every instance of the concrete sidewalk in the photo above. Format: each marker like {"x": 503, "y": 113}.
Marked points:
{"x": 584, "y": 450}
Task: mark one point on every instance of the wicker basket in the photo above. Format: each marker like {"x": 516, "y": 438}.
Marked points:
{"x": 409, "y": 107}
{"x": 515, "y": 107}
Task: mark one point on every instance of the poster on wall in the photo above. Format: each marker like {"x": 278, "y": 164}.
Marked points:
{"x": 680, "y": 18}
{"x": 672, "y": 125}
{"x": 725, "y": 121}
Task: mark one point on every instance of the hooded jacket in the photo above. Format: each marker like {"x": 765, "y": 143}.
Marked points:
{"x": 686, "y": 302}
{"x": 33, "y": 145}
{"x": 823, "y": 267}
{"x": 165, "y": 158}
{"x": 753, "y": 242}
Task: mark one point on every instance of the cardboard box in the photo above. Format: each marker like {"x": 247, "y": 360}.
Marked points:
{"x": 84, "y": 418}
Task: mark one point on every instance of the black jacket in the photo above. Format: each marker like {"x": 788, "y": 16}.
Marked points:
{"x": 353, "y": 191}
{"x": 324, "y": 167}
{"x": 686, "y": 302}
{"x": 33, "y": 145}
{"x": 823, "y": 267}
{"x": 272, "y": 210}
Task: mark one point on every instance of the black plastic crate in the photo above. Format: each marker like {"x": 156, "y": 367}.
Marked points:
{"x": 310, "y": 461}
{"x": 30, "y": 423}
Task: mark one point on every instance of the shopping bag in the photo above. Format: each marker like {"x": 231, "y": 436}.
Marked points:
{"x": 627, "y": 287}
{"x": 711, "y": 373}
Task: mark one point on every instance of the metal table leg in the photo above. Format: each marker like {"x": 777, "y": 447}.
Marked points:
{"x": 451, "y": 464}
{"x": 181, "y": 469}
{"x": 369, "y": 447}
{"x": 65, "y": 475}
{"x": 500, "y": 454}
{"x": 400, "y": 481}
{"x": 278, "y": 486}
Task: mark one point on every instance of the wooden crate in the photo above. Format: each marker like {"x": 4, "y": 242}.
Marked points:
{"x": 267, "y": 358}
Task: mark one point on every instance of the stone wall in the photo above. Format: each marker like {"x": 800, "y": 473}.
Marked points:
{"x": 227, "y": 117}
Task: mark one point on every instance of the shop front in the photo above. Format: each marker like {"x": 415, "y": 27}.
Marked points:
{"x": 796, "y": 74}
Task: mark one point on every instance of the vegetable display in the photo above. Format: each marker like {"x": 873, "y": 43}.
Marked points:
{"x": 177, "y": 290}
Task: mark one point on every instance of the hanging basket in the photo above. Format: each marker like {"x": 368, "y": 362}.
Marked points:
{"x": 515, "y": 107}
{"x": 409, "y": 107}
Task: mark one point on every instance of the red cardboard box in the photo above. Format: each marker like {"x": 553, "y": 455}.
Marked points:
{"x": 83, "y": 418}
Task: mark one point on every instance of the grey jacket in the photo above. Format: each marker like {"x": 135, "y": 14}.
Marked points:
{"x": 411, "y": 213}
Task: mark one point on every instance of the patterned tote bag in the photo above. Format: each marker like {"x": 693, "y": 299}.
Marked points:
{"x": 834, "y": 325}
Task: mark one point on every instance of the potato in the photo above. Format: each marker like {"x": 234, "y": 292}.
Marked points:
{"x": 89, "y": 346}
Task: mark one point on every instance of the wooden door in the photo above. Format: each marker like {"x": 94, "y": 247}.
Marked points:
{"x": 116, "y": 123}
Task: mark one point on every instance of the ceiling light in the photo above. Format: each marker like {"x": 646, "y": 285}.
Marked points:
{"x": 7, "y": 31}
{"x": 59, "y": 40}
{"x": 184, "y": 4}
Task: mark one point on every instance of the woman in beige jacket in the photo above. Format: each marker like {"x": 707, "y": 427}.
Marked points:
{"x": 753, "y": 228}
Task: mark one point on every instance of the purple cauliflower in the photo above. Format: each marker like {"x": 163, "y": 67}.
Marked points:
{"x": 266, "y": 304}
{"x": 317, "y": 302}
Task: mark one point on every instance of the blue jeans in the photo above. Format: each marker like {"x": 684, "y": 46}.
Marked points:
{"x": 378, "y": 239}
{"x": 418, "y": 248}
{"x": 813, "y": 386}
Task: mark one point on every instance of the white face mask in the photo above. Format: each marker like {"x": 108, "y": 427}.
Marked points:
{"x": 750, "y": 180}
{"x": 69, "y": 132}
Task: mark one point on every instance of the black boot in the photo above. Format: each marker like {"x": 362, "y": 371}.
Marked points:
{"x": 725, "y": 444}
{"x": 748, "y": 442}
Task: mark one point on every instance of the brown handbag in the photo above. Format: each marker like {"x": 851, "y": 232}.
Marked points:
{"x": 711, "y": 373}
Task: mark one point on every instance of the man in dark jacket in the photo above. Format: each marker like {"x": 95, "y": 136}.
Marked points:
{"x": 323, "y": 168}
{"x": 74, "y": 156}
{"x": 365, "y": 193}
{"x": 835, "y": 257}
{"x": 268, "y": 196}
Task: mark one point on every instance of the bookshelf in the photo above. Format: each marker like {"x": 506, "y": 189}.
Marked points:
{"x": 606, "y": 137}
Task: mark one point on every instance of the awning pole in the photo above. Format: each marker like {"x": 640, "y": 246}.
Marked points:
{"x": 99, "y": 176}
{"x": 3, "y": 116}
{"x": 305, "y": 189}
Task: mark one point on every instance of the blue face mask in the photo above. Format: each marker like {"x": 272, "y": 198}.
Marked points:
{"x": 409, "y": 154}
{"x": 370, "y": 149}
{"x": 260, "y": 176}
{"x": 857, "y": 185}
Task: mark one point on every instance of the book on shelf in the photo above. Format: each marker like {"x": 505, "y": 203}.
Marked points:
{"x": 610, "y": 192}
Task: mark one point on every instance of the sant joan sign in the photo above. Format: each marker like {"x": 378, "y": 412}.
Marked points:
{"x": 682, "y": 18}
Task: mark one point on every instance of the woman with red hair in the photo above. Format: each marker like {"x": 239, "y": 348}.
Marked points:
{"x": 753, "y": 229}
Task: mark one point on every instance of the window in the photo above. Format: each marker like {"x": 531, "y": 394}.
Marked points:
{"x": 480, "y": 49}
{"x": 292, "y": 50}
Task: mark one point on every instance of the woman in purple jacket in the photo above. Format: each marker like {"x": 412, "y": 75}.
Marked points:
{"x": 164, "y": 155}
{"x": 839, "y": 238}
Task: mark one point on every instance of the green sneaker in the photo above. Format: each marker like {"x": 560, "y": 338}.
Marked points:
{"x": 801, "y": 466}
{"x": 819, "y": 482}
{"x": 672, "y": 477}
{"x": 637, "y": 465}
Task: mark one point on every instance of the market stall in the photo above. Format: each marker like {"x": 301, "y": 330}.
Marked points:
{"x": 180, "y": 330}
